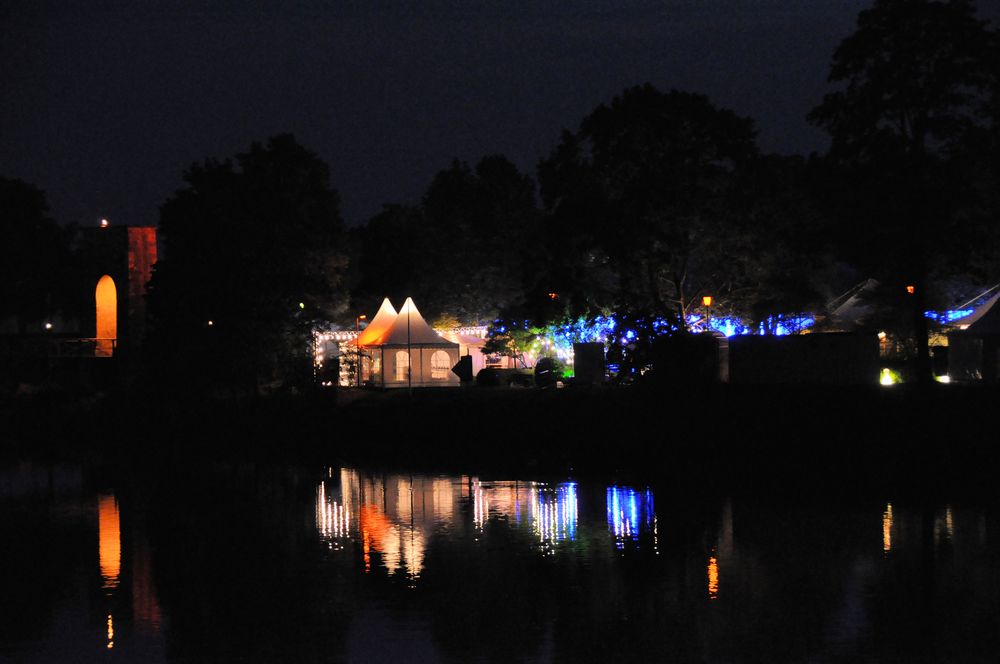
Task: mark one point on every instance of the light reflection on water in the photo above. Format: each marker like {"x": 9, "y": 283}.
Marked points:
{"x": 395, "y": 516}
{"x": 109, "y": 541}
{"x": 397, "y": 566}
{"x": 630, "y": 514}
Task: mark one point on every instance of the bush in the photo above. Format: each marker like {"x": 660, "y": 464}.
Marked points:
{"x": 548, "y": 371}
{"x": 488, "y": 378}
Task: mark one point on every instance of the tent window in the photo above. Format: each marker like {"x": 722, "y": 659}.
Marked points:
{"x": 402, "y": 365}
{"x": 440, "y": 365}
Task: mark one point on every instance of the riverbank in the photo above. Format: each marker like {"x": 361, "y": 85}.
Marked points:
{"x": 754, "y": 438}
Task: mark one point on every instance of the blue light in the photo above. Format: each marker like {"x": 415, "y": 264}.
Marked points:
{"x": 949, "y": 315}
{"x": 630, "y": 513}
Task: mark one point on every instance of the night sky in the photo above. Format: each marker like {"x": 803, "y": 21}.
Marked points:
{"x": 105, "y": 104}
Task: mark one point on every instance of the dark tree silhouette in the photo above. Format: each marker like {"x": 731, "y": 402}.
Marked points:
{"x": 464, "y": 253}
{"x": 252, "y": 260}
{"x": 912, "y": 77}
{"x": 34, "y": 257}
{"x": 641, "y": 200}
{"x": 779, "y": 258}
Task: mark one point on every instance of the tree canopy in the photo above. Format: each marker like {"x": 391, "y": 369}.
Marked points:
{"x": 912, "y": 79}
{"x": 640, "y": 199}
{"x": 463, "y": 252}
{"x": 252, "y": 259}
{"x": 34, "y": 256}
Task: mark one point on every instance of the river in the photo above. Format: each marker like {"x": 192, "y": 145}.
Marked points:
{"x": 259, "y": 562}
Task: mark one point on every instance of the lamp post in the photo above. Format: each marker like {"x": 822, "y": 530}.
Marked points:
{"x": 706, "y": 301}
{"x": 357, "y": 346}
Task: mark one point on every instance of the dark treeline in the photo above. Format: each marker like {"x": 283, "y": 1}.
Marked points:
{"x": 654, "y": 200}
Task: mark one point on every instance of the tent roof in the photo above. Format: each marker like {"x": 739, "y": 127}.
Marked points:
{"x": 853, "y": 306}
{"x": 984, "y": 320}
{"x": 466, "y": 339}
{"x": 420, "y": 333}
{"x": 379, "y": 325}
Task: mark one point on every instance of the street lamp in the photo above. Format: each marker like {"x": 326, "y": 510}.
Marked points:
{"x": 706, "y": 301}
{"x": 357, "y": 346}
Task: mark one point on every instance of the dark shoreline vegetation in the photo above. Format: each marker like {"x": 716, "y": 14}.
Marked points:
{"x": 809, "y": 441}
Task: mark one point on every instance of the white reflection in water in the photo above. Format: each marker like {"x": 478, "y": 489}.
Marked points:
{"x": 387, "y": 518}
{"x": 630, "y": 513}
{"x": 392, "y": 518}
{"x": 944, "y": 526}
{"x": 550, "y": 511}
{"x": 556, "y": 513}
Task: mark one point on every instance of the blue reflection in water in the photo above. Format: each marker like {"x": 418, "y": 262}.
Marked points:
{"x": 630, "y": 513}
{"x": 555, "y": 512}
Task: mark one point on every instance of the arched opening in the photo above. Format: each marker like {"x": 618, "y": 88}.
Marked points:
{"x": 402, "y": 365}
{"x": 440, "y": 365}
{"x": 106, "y": 334}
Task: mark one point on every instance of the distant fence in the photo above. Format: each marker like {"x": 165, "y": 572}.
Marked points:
{"x": 36, "y": 346}
{"x": 827, "y": 357}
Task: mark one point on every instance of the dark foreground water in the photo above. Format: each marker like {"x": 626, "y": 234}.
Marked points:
{"x": 262, "y": 563}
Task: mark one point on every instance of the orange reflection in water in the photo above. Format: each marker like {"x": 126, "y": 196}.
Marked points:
{"x": 110, "y": 541}
{"x": 713, "y": 578}
{"x": 111, "y": 632}
{"x": 145, "y": 605}
{"x": 887, "y": 529}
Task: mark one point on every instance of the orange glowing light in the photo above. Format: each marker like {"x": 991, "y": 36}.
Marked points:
{"x": 104, "y": 223}
{"x": 109, "y": 540}
{"x": 713, "y": 578}
{"x": 707, "y": 300}
{"x": 553, "y": 296}
{"x": 106, "y": 301}
{"x": 887, "y": 529}
{"x": 911, "y": 289}
{"x": 367, "y": 549}
{"x": 111, "y": 632}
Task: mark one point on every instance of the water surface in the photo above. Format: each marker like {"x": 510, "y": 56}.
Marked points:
{"x": 261, "y": 563}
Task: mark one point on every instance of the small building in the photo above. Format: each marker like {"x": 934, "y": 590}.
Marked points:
{"x": 402, "y": 350}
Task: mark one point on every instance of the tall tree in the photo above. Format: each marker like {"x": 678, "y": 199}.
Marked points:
{"x": 911, "y": 79}
{"x": 463, "y": 252}
{"x": 252, "y": 260}
{"x": 640, "y": 197}
{"x": 34, "y": 256}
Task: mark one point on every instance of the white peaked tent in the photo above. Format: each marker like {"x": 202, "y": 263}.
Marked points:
{"x": 379, "y": 325}
{"x": 410, "y": 353}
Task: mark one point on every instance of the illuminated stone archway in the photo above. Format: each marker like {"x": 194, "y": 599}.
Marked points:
{"x": 106, "y": 300}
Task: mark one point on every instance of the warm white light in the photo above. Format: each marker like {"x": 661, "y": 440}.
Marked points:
{"x": 886, "y": 377}
{"x": 48, "y": 326}
{"x": 211, "y": 323}
{"x": 104, "y": 223}
{"x": 943, "y": 379}
{"x": 881, "y": 335}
